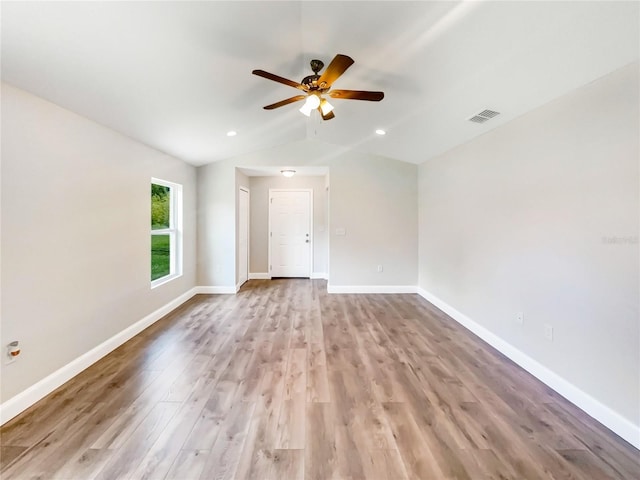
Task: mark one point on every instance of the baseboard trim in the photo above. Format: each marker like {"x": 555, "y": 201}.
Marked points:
{"x": 600, "y": 412}
{"x": 371, "y": 288}
{"x": 216, "y": 290}
{"x": 25, "y": 399}
{"x": 320, "y": 275}
{"x": 259, "y": 276}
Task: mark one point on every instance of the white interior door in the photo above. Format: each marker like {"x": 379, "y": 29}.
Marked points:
{"x": 243, "y": 236}
{"x": 290, "y": 233}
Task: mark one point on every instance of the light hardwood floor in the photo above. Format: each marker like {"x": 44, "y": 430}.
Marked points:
{"x": 283, "y": 381}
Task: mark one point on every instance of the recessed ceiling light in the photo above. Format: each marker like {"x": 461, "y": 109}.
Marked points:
{"x": 232, "y": 133}
{"x": 381, "y": 132}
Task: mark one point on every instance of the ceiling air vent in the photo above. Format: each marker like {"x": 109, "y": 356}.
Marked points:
{"x": 483, "y": 116}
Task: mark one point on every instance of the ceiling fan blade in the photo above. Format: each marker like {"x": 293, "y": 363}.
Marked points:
{"x": 276, "y": 78}
{"x": 328, "y": 116}
{"x": 356, "y": 95}
{"x": 282, "y": 103}
{"x": 337, "y": 67}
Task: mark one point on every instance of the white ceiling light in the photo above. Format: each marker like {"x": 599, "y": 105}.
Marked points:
{"x": 381, "y": 132}
{"x": 325, "y": 106}
{"x": 306, "y": 109}
{"x": 312, "y": 102}
{"x": 288, "y": 173}
{"x": 232, "y": 133}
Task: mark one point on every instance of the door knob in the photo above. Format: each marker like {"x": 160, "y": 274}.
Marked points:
{"x": 306, "y": 241}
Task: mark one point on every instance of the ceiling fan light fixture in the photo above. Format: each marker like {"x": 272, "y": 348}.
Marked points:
{"x": 306, "y": 110}
{"x": 325, "y": 106}
{"x": 314, "y": 86}
{"x": 288, "y": 173}
{"x": 311, "y": 103}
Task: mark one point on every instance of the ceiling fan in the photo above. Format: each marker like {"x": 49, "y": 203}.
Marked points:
{"x": 316, "y": 85}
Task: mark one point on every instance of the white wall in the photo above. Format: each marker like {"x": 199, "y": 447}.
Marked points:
{"x": 216, "y": 244}
{"x": 374, "y": 198}
{"x": 260, "y": 219}
{"x": 525, "y": 218}
{"x": 75, "y": 235}
{"x": 241, "y": 181}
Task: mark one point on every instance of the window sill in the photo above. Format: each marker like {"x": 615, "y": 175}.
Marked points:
{"x": 163, "y": 280}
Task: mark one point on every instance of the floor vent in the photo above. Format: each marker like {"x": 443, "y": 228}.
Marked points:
{"x": 483, "y": 116}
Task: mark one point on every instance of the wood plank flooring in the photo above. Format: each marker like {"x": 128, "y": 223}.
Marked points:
{"x": 283, "y": 381}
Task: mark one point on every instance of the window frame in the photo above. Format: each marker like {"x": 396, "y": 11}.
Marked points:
{"x": 174, "y": 231}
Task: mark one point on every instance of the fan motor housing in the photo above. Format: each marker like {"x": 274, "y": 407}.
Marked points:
{"x": 311, "y": 81}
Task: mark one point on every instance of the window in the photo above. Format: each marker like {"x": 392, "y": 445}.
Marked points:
{"x": 166, "y": 231}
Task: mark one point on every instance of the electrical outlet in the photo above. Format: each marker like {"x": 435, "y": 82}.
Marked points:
{"x": 520, "y": 318}
{"x": 548, "y": 332}
{"x": 379, "y": 268}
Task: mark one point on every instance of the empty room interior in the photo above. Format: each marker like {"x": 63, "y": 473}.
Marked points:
{"x": 320, "y": 240}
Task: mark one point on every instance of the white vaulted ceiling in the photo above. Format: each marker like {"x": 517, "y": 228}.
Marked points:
{"x": 177, "y": 75}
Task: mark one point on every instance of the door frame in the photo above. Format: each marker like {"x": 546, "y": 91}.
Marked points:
{"x": 248, "y": 192}
{"x": 311, "y": 238}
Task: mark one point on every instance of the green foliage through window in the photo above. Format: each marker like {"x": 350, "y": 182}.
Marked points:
{"x": 160, "y": 256}
{"x": 160, "y": 207}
